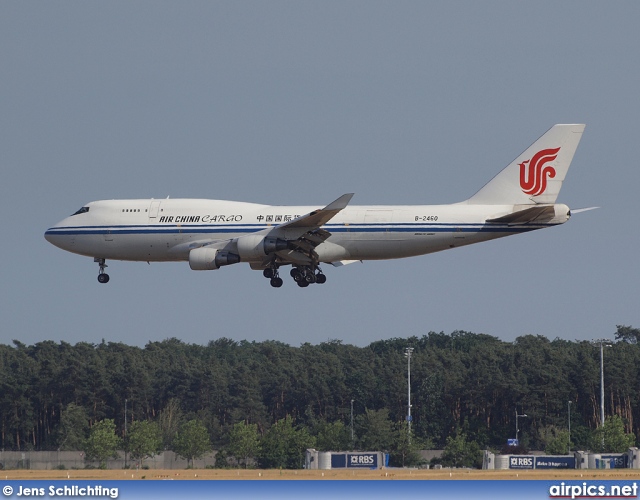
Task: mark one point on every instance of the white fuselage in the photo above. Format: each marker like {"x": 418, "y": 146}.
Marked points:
{"x": 166, "y": 230}
{"x": 210, "y": 234}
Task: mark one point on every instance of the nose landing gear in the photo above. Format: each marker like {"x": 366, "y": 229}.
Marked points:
{"x": 102, "y": 276}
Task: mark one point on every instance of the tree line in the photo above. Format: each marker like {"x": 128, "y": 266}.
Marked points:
{"x": 464, "y": 386}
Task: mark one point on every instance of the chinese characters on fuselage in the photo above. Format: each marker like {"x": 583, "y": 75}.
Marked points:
{"x": 208, "y": 219}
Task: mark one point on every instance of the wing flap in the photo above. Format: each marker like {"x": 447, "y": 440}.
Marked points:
{"x": 341, "y": 263}
{"x": 316, "y": 237}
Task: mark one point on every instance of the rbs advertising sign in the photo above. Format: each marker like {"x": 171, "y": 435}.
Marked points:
{"x": 521, "y": 462}
{"x": 362, "y": 460}
{"x": 555, "y": 462}
{"x": 617, "y": 461}
{"x": 541, "y": 462}
{"x": 366, "y": 460}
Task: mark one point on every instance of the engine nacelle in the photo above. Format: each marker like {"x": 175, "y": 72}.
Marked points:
{"x": 208, "y": 259}
{"x": 255, "y": 247}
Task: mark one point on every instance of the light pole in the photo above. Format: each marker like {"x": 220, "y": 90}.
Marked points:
{"x": 569, "y": 416}
{"x": 407, "y": 352}
{"x": 352, "y": 423}
{"x": 517, "y": 429}
{"x": 603, "y": 343}
{"x": 125, "y": 431}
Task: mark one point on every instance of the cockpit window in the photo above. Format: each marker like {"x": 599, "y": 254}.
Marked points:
{"x": 83, "y": 210}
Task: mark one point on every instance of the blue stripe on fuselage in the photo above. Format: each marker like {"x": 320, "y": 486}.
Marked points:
{"x": 337, "y": 228}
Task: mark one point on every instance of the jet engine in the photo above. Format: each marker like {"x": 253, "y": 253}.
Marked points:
{"x": 255, "y": 247}
{"x": 207, "y": 259}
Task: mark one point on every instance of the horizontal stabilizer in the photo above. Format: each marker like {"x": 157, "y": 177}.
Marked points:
{"x": 533, "y": 214}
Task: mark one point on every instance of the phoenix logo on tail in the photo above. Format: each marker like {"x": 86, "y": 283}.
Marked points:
{"x": 533, "y": 180}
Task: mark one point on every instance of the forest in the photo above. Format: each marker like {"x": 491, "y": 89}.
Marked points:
{"x": 462, "y": 384}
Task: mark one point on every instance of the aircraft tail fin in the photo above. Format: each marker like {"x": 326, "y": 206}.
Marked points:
{"x": 536, "y": 175}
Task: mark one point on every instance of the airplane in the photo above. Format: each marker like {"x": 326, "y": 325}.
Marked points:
{"x": 211, "y": 234}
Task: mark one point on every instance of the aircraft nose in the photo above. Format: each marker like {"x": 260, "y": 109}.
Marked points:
{"x": 54, "y": 236}
{"x": 49, "y": 235}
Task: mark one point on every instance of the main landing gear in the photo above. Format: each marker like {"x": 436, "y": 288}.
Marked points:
{"x": 305, "y": 275}
{"x": 272, "y": 274}
{"x": 102, "y": 276}
{"x": 302, "y": 275}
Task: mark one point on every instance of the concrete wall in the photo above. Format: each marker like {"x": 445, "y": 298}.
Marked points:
{"x": 46, "y": 460}
{"x": 429, "y": 454}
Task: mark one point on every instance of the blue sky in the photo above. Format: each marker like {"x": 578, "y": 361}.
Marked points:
{"x": 296, "y": 103}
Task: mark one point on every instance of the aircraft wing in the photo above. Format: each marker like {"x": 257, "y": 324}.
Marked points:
{"x": 298, "y": 237}
{"x": 304, "y": 233}
{"x": 321, "y": 216}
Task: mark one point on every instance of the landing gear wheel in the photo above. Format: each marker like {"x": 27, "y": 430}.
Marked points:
{"x": 321, "y": 278}
{"x": 297, "y": 275}
{"x": 303, "y": 283}
{"x": 102, "y": 264}
{"x": 309, "y": 277}
{"x": 272, "y": 274}
{"x": 276, "y": 282}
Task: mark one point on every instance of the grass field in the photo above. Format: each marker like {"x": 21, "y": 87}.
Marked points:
{"x": 327, "y": 475}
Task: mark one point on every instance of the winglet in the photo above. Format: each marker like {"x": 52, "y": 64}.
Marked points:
{"x": 340, "y": 203}
{"x": 321, "y": 216}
